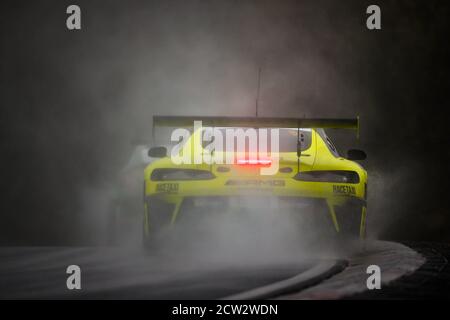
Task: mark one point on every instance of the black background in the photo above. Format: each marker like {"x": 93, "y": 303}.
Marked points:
{"x": 72, "y": 100}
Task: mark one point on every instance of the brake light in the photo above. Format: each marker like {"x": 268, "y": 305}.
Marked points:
{"x": 260, "y": 162}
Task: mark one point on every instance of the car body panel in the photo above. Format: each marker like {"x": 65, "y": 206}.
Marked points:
{"x": 247, "y": 181}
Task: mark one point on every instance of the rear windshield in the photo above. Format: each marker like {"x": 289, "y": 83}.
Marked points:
{"x": 328, "y": 142}
{"x": 287, "y": 139}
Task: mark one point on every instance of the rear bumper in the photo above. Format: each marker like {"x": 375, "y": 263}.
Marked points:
{"x": 161, "y": 211}
{"x": 251, "y": 186}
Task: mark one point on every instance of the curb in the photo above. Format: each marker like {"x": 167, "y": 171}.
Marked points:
{"x": 313, "y": 276}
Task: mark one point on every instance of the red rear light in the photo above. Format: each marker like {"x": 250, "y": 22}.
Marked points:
{"x": 255, "y": 162}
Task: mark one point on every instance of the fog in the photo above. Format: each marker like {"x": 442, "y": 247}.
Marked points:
{"x": 73, "y": 101}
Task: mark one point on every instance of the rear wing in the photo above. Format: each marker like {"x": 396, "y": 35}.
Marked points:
{"x": 257, "y": 122}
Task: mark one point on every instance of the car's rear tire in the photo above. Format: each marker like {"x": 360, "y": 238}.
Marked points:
{"x": 351, "y": 220}
{"x": 147, "y": 242}
{"x": 156, "y": 215}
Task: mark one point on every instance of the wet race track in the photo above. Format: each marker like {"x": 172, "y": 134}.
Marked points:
{"x": 125, "y": 273}
{"x": 119, "y": 273}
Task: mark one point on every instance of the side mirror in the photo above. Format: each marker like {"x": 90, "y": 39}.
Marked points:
{"x": 355, "y": 154}
{"x": 157, "y": 152}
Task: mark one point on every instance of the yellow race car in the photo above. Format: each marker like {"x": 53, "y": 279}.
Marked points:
{"x": 310, "y": 174}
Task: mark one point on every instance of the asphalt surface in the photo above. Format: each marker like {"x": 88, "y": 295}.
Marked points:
{"x": 394, "y": 260}
{"x": 430, "y": 281}
{"x": 123, "y": 273}
{"x": 409, "y": 271}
